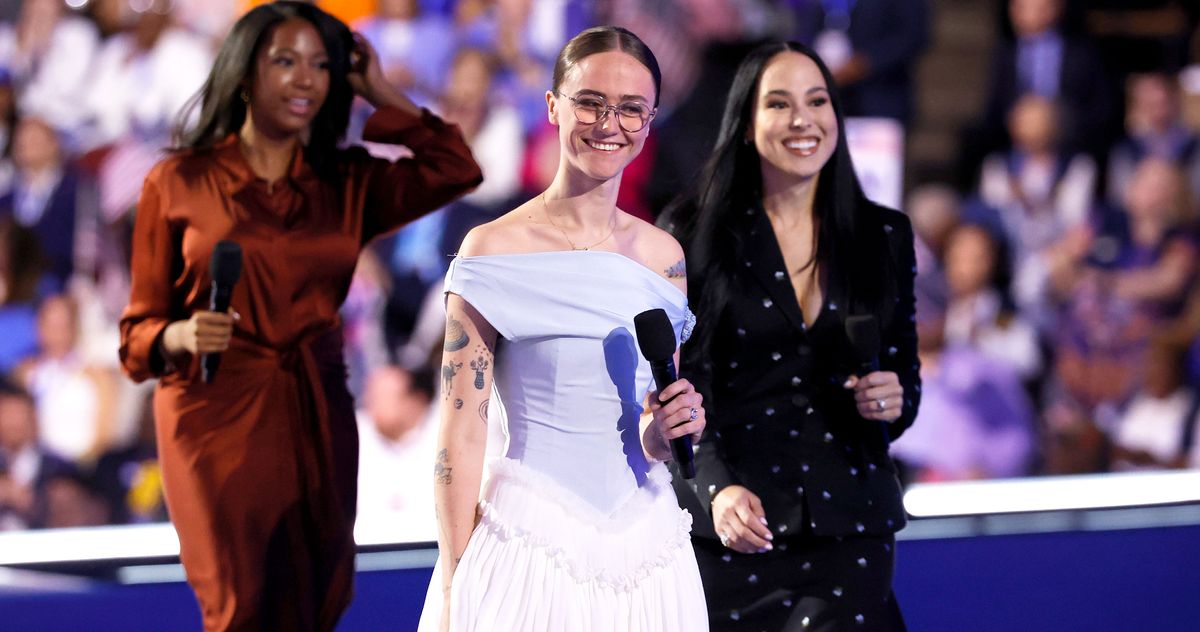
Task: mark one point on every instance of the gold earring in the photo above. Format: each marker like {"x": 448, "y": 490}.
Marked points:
{"x": 245, "y": 96}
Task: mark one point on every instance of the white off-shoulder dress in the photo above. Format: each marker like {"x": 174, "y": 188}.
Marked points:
{"x": 579, "y": 533}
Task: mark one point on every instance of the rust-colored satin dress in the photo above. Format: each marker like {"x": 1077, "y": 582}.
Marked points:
{"x": 260, "y": 466}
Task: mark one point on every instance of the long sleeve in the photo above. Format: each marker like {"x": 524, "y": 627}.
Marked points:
{"x": 440, "y": 170}
{"x": 900, "y": 338}
{"x": 149, "y": 311}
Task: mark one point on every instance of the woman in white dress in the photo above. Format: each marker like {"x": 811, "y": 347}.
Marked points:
{"x": 575, "y": 526}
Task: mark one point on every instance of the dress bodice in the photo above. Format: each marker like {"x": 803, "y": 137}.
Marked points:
{"x": 569, "y": 376}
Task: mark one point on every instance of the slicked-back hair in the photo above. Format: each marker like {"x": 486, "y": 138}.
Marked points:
{"x": 603, "y": 39}
{"x": 221, "y": 108}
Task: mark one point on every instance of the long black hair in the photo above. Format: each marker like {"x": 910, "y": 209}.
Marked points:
{"x": 222, "y": 110}
{"x": 708, "y": 217}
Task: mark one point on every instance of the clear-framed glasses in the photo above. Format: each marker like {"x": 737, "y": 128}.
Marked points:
{"x": 632, "y": 116}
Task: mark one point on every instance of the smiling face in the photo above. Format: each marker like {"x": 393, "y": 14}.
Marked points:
{"x": 794, "y": 127}
{"x": 601, "y": 150}
{"x": 290, "y": 79}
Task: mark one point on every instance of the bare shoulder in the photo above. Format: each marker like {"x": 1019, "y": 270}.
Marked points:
{"x": 660, "y": 251}
{"x": 508, "y": 234}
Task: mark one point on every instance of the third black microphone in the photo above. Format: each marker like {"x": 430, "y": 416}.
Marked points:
{"x": 225, "y": 269}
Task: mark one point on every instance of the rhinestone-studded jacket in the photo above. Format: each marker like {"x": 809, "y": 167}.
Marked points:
{"x": 779, "y": 421}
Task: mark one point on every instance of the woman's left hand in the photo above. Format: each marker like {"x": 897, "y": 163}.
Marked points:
{"x": 878, "y": 394}
{"x": 683, "y": 415}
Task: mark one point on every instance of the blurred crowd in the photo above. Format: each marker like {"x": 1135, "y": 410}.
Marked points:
{"x": 1058, "y": 309}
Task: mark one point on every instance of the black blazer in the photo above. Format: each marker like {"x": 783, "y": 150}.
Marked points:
{"x": 779, "y": 421}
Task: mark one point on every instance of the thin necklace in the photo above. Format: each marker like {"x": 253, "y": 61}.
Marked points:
{"x": 546, "y": 210}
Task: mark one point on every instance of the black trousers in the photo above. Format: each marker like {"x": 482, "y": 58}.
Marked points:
{"x": 808, "y": 582}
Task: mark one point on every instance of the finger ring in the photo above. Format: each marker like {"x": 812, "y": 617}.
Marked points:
{"x": 724, "y": 539}
{"x": 881, "y": 404}
{"x": 695, "y": 414}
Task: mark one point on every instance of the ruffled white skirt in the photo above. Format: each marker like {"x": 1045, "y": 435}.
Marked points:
{"x": 541, "y": 559}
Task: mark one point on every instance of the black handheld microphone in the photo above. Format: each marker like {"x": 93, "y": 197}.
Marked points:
{"x": 656, "y": 339}
{"x": 863, "y": 332}
{"x": 225, "y": 269}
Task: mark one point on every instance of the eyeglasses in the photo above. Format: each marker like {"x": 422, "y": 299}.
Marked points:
{"x": 631, "y": 115}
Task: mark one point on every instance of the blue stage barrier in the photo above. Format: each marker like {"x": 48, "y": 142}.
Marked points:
{"x": 1045, "y": 572}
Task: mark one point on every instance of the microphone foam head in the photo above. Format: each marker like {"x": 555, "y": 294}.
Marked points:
{"x": 226, "y": 263}
{"x": 655, "y": 335}
{"x": 863, "y": 332}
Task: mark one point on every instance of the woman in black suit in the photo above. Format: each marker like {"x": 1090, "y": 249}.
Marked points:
{"x": 783, "y": 248}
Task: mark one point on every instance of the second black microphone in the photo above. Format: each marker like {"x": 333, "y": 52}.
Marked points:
{"x": 656, "y": 339}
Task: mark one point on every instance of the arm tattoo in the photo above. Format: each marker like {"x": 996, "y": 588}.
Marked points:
{"x": 483, "y": 410}
{"x": 456, "y": 336}
{"x": 440, "y": 471}
{"x": 479, "y": 366}
{"x": 458, "y": 403}
{"x": 677, "y": 271}
{"x": 449, "y": 370}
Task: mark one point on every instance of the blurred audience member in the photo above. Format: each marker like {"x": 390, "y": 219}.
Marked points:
{"x": 1150, "y": 431}
{"x": 366, "y": 345}
{"x": 491, "y": 125}
{"x": 713, "y": 34}
{"x": 26, "y": 467}
{"x": 1043, "y": 60}
{"x": 934, "y": 210}
{"x": 1154, "y": 128}
{"x": 1072, "y": 441}
{"x": 1040, "y": 191}
{"x": 981, "y": 314}
{"x": 49, "y": 52}
{"x": 20, "y": 284}
{"x": 76, "y": 403}
{"x": 397, "y": 442}
{"x": 1121, "y": 282}
{"x": 210, "y": 19}
{"x": 525, "y": 36}
{"x": 872, "y": 48}
{"x": 1099, "y": 351}
{"x": 975, "y": 420}
{"x": 8, "y": 122}
{"x": 1147, "y": 255}
{"x": 128, "y": 478}
{"x": 142, "y": 77}
{"x": 44, "y": 194}
{"x": 71, "y": 501}
{"x": 418, "y": 255}
{"x": 414, "y": 46}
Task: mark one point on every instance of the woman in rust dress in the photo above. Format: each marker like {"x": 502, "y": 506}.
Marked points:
{"x": 260, "y": 464}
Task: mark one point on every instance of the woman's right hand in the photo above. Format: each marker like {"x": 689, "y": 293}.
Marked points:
{"x": 740, "y": 521}
{"x": 204, "y": 332}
